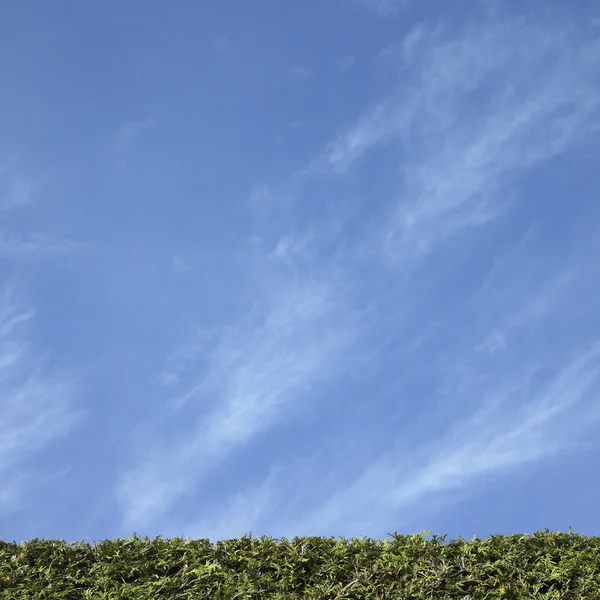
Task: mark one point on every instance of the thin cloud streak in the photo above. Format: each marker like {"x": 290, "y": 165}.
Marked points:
{"x": 458, "y": 167}
{"x": 37, "y": 408}
{"x": 239, "y": 514}
{"x": 33, "y": 247}
{"x": 258, "y": 372}
{"x": 489, "y": 442}
{"x": 455, "y": 173}
{"x": 501, "y": 415}
{"x": 453, "y": 178}
{"x": 494, "y": 426}
{"x": 17, "y": 192}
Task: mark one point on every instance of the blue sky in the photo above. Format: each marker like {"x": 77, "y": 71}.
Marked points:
{"x": 299, "y": 268}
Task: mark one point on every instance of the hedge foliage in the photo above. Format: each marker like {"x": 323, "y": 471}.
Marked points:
{"x": 543, "y": 565}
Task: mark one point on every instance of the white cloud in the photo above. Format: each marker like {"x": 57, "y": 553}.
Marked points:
{"x": 531, "y": 89}
{"x": 533, "y": 310}
{"x": 33, "y": 247}
{"x": 17, "y": 191}
{"x": 513, "y": 428}
{"x": 378, "y": 126}
{"x": 37, "y": 407}
{"x": 240, "y": 514}
{"x": 258, "y": 372}
{"x": 472, "y": 111}
{"x": 497, "y": 417}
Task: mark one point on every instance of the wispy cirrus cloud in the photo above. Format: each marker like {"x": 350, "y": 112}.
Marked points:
{"x": 17, "y": 192}
{"x": 38, "y": 405}
{"x": 257, "y": 373}
{"x": 477, "y": 107}
{"x": 528, "y": 101}
{"x": 33, "y": 247}
{"x": 404, "y": 330}
{"x": 515, "y": 427}
{"x": 496, "y": 413}
{"x": 241, "y": 513}
{"x": 456, "y": 163}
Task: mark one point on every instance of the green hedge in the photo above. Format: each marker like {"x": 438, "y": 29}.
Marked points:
{"x": 543, "y": 565}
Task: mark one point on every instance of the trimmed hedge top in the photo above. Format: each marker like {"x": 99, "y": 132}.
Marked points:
{"x": 543, "y": 565}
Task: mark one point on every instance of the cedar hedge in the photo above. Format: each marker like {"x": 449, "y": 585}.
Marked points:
{"x": 546, "y": 565}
